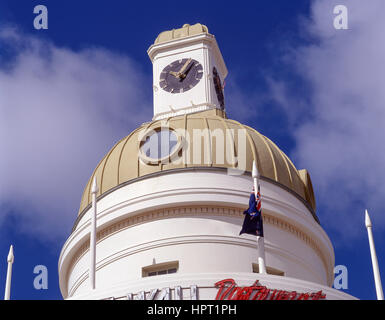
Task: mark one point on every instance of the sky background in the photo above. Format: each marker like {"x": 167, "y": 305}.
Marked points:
{"x": 69, "y": 93}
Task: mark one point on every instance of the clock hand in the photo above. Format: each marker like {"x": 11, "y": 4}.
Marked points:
{"x": 175, "y": 74}
{"x": 183, "y": 75}
{"x": 184, "y": 67}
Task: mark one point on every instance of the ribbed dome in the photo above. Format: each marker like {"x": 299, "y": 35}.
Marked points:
{"x": 123, "y": 164}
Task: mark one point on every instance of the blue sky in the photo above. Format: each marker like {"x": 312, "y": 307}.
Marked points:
{"x": 67, "y": 94}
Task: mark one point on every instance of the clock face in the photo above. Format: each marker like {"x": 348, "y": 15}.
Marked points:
{"x": 160, "y": 145}
{"x": 181, "y": 75}
{"x": 218, "y": 88}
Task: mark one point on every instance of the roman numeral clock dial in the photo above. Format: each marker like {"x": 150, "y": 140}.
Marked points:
{"x": 181, "y": 75}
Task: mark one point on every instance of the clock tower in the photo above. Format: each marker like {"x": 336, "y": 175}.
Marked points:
{"x": 188, "y": 72}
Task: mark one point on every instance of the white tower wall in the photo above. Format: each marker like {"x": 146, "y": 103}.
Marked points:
{"x": 186, "y": 218}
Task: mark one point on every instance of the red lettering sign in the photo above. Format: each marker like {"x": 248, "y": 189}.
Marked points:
{"x": 228, "y": 290}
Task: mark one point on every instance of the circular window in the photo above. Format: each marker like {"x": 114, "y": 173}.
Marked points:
{"x": 158, "y": 145}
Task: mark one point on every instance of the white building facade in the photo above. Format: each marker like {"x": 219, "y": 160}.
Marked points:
{"x": 172, "y": 194}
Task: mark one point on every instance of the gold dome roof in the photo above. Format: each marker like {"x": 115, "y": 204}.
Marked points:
{"x": 185, "y": 31}
{"x": 122, "y": 164}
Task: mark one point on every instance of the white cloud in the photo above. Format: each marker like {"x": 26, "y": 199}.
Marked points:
{"x": 60, "y": 112}
{"x": 340, "y": 137}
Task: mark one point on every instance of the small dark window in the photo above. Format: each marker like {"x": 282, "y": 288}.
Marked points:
{"x": 160, "y": 269}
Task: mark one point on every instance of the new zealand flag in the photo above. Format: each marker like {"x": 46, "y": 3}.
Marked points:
{"x": 253, "y": 224}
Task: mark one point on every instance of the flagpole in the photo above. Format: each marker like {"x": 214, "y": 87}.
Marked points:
{"x": 376, "y": 269}
{"x": 10, "y": 260}
{"x": 260, "y": 240}
{"x": 94, "y": 191}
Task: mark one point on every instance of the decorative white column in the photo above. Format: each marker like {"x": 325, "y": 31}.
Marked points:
{"x": 94, "y": 191}
{"x": 10, "y": 260}
{"x": 376, "y": 269}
